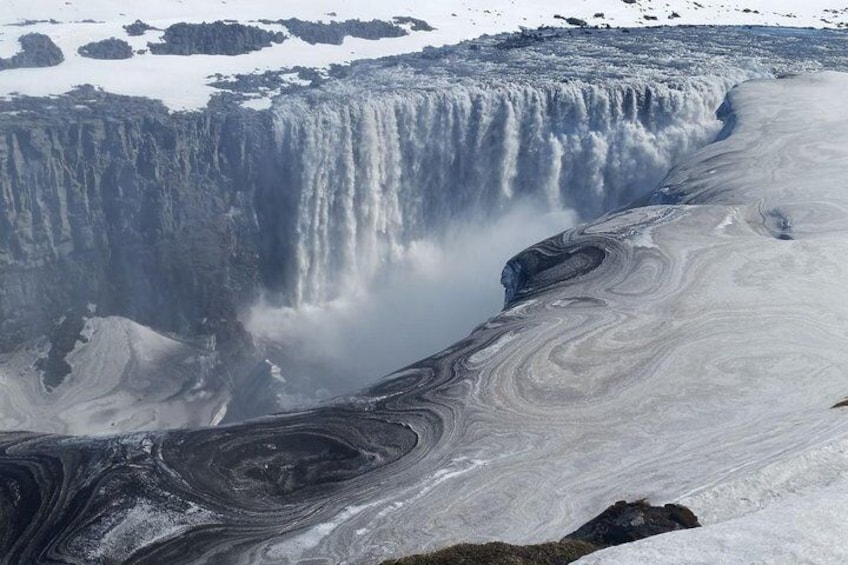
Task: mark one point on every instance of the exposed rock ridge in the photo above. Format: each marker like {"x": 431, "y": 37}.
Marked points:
{"x": 217, "y": 38}
{"x": 112, "y": 201}
{"x": 107, "y": 49}
{"x": 37, "y": 50}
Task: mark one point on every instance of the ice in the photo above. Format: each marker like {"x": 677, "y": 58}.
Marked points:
{"x": 123, "y": 377}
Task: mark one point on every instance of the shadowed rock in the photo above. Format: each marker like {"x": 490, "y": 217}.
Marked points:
{"x": 217, "y": 38}
{"x": 137, "y": 28}
{"x": 124, "y": 246}
{"x": 334, "y": 33}
{"x": 107, "y": 49}
{"x": 63, "y": 340}
{"x": 624, "y": 522}
{"x": 414, "y": 23}
{"x": 37, "y": 50}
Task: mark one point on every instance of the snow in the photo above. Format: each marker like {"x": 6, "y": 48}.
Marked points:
{"x": 785, "y": 504}
{"x": 806, "y": 527}
{"x": 183, "y": 82}
{"x": 124, "y": 377}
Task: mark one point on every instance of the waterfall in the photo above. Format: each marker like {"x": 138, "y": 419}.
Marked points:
{"x": 379, "y": 171}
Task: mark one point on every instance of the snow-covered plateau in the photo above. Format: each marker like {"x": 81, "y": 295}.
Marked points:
{"x": 187, "y": 82}
{"x": 221, "y": 224}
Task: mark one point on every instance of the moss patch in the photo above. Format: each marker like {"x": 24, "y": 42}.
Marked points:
{"x": 496, "y": 553}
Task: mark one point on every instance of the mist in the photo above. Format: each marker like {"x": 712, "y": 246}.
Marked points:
{"x": 435, "y": 293}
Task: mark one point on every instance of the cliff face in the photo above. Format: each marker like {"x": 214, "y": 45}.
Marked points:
{"x": 37, "y": 50}
{"x": 114, "y": 202}
{"x": 175, "y": 220}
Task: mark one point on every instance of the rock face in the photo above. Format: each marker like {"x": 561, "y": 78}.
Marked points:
{"x": 624, "y": 522}
{"x": 37, "y": 50}
{"x": 217, "y": 38}
{"x": 414, "y": 23}
{"x": 111, "y": 48}
{"x": 137, "y": 28}
{"x": 334, "y": 33}
{"x": 63, "y": 339}
{"x": 111, "y": 201}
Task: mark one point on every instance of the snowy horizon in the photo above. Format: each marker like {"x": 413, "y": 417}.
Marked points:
{"x": 186, "y": 83}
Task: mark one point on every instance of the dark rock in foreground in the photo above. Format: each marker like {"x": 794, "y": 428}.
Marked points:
{"x": 217, "y": 38}
{"x": 624, "y": 522}
{"x": 621, "y": 523}
{"x": 107, "y": 49}
{"x": 37, "y": 50}
{"x": 496, "y": 553}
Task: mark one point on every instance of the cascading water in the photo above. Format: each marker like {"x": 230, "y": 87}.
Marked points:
{"x": 410, "y": 181}
{"x": 409, "y": 203}
{"x": 379, "y": 172}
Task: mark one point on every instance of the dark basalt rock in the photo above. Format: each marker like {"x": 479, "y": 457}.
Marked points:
{"x": 63, "y": 340}
{"x": 268, "y": 80}
{"x": 27, "y": 23}
{"x": 107, "y": 49}
{"x": 37, "y": 50}
{"x": 624, "y": 522}
{"x": 621, "y": 523}
{"x": 217, "y": 38}
{"x": 137, "y": 28}
{"x": 161, "y": 219}
{"x": 415, "y": 23}
{"x": 334, "y": 33}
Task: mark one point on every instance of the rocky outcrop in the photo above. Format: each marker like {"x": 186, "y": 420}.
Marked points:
{"x": 112, "y": 201}
{"x": 137, "y": 28}
{"x": 621, "y": 523}
{"x": 37, "y": 50}
{"x": 414, "y": 23}
{"x": 624, "y": 522}
{"x": 111, "y": 49}
{"x": 334, "y": 33}
{"x": 63, "y": 338}
{"x": 217, "y": 38}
